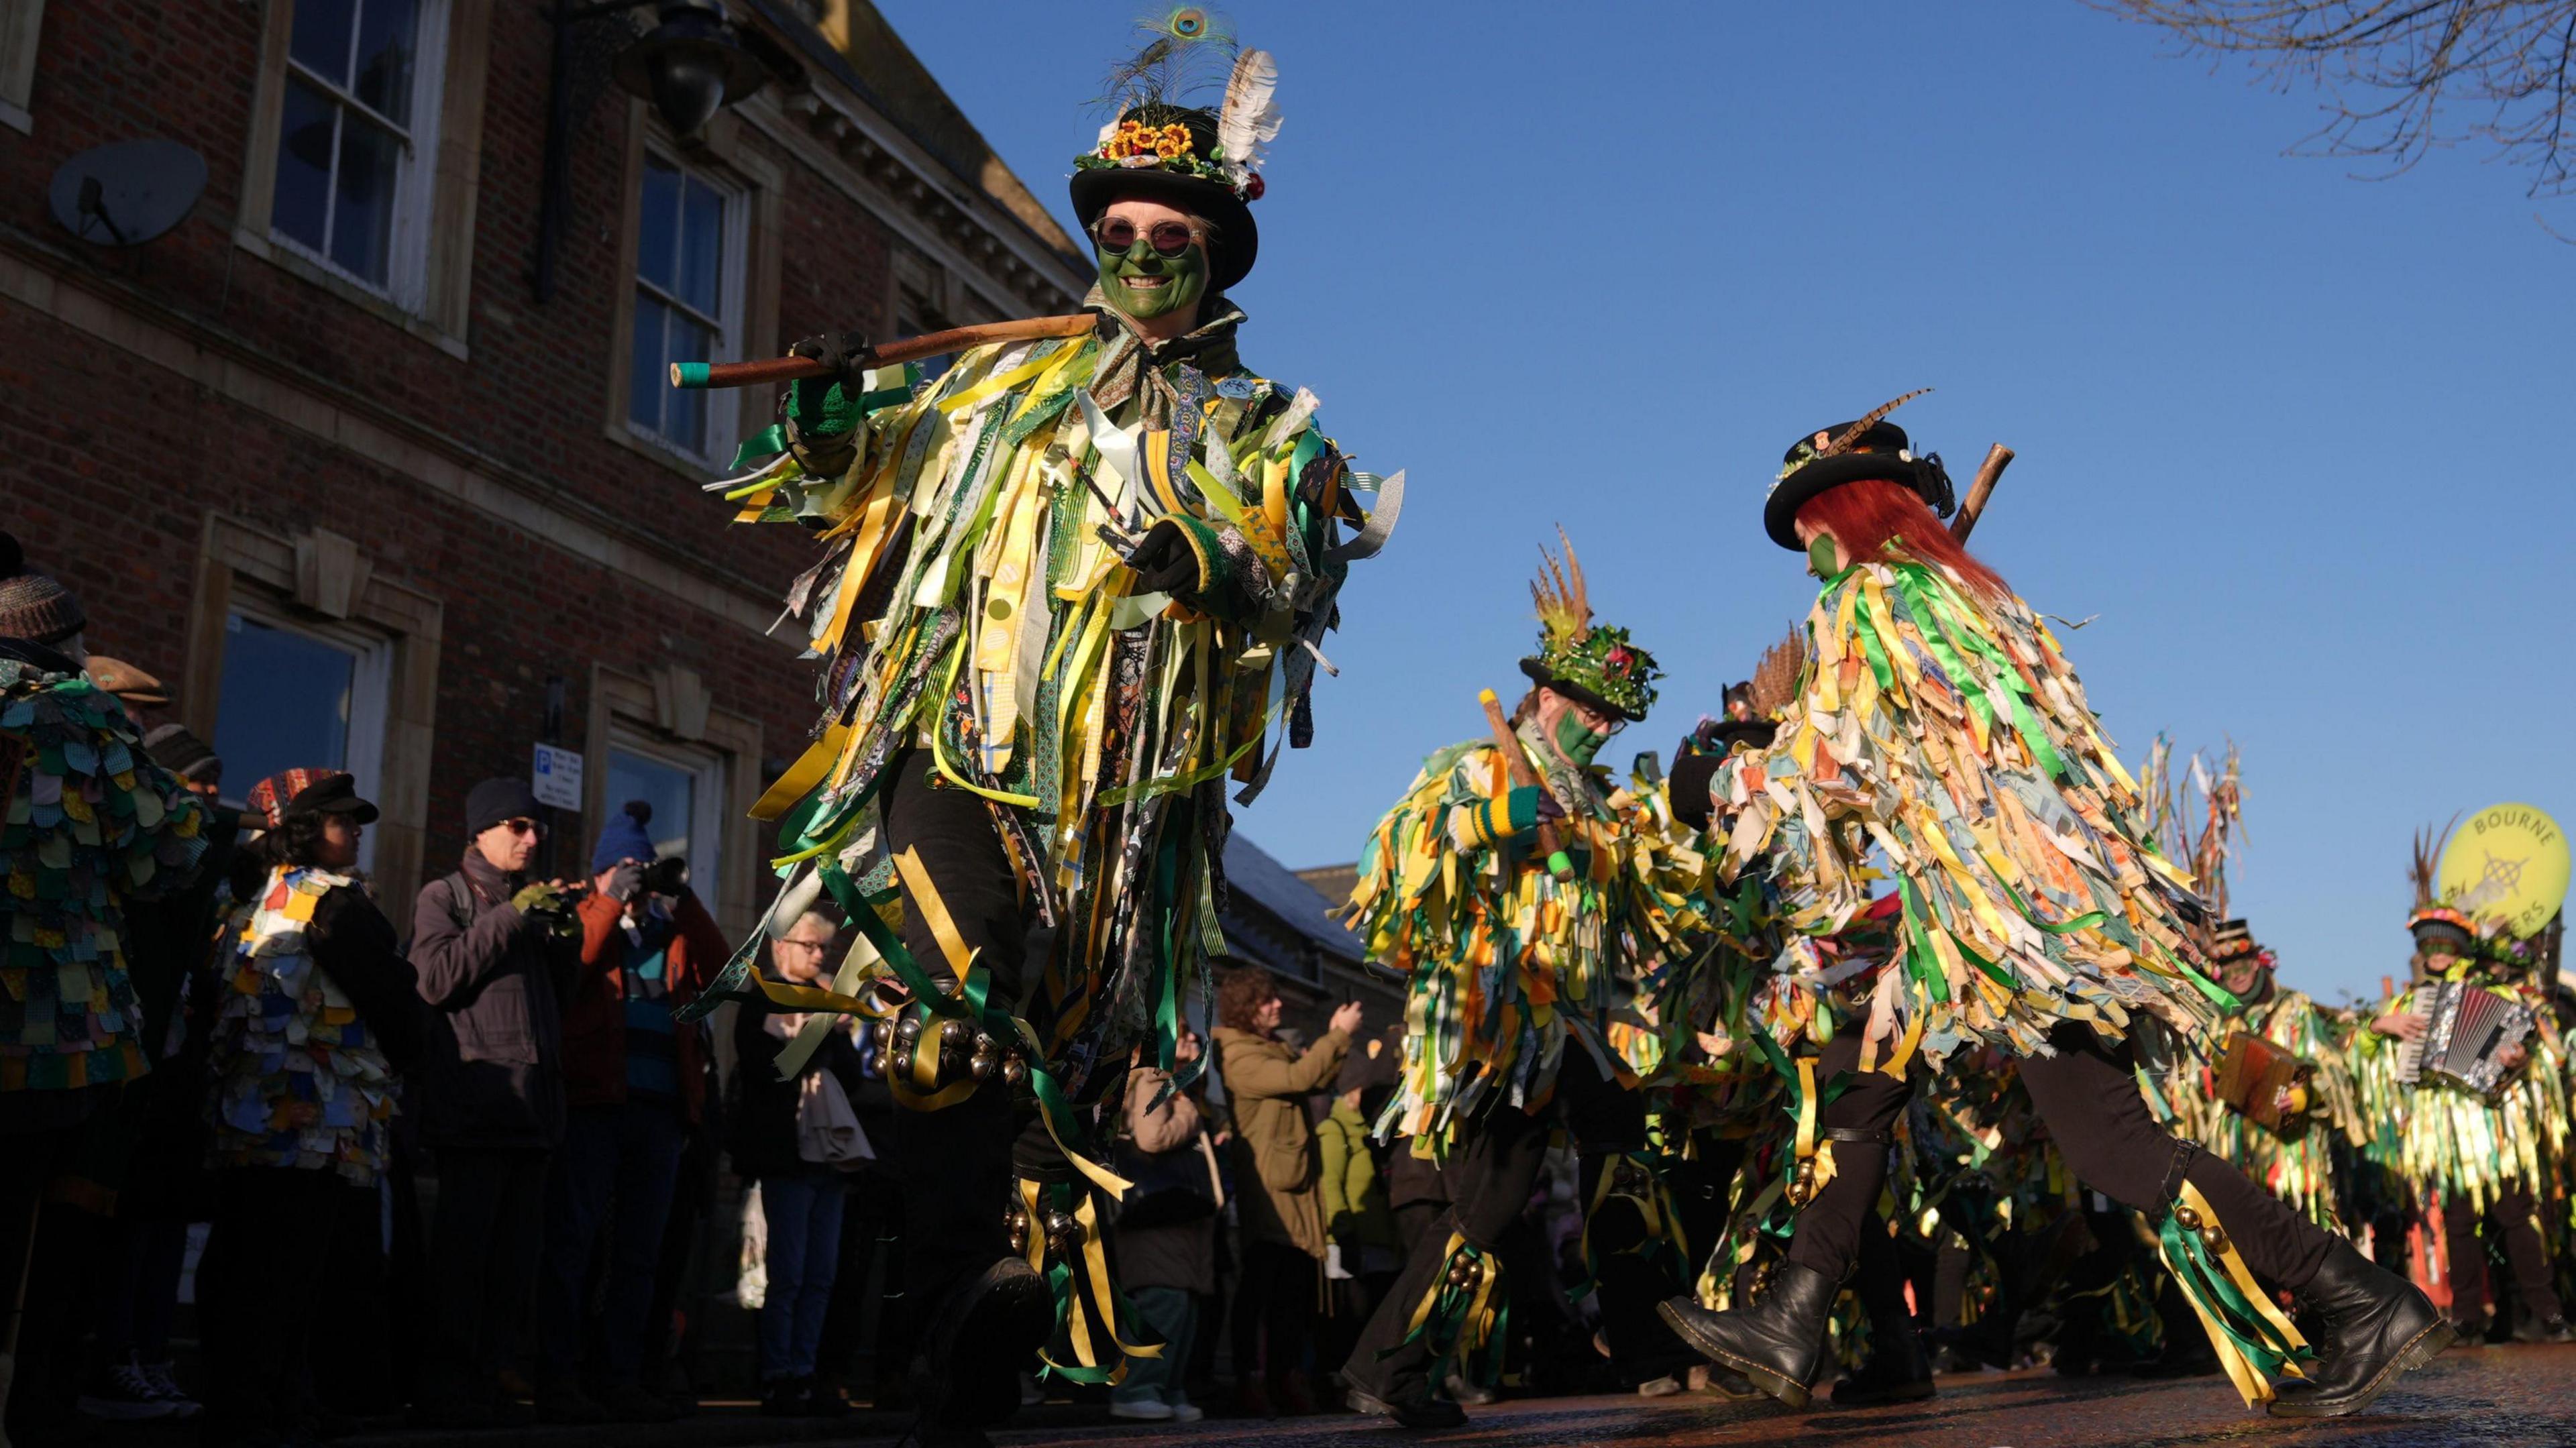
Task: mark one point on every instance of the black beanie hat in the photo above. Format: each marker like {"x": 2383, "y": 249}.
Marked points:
{"x": 495, "y": 800}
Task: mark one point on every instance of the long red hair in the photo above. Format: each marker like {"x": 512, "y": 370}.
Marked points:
{"x": 1867, "y": 515}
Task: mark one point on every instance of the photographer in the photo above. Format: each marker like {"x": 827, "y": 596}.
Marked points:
{"x": 496, "y": 952}
{"x": 634, "y": 1083}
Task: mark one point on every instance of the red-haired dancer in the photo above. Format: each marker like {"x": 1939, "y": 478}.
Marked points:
{"x": 1939, "y": 728}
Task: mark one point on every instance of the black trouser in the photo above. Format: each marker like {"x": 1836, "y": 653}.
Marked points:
{"x": 2089, "y": 1099}
{"x": 1274, "y": 1310}
{"x": 1489, "y": 1175}
{"x": 954, "y": 1167}
{"x": 2511, "y": 1217}
{"x": 871, "y": 1219}
{"x": 1413, "y": 1221}
{"x": 483, "y": 1253}
{"x": 262, "y": 1287}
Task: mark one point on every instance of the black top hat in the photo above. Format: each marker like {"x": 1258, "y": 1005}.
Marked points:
{"x": 1880, "y": 451}
{"x": 1102, "y": 180}
{"x": 2233, "y": 942}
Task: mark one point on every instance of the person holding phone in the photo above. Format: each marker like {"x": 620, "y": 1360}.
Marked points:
{"x": 1280, "y": 1203}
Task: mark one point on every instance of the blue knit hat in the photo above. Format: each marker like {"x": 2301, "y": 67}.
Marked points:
{"x": 624, "y": 838}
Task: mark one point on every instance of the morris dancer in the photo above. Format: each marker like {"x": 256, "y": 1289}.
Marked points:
{"x": 1067, "y": 591}
{"x": 1939, "y": 723}
{"x": 1531, "y": 903}
{"x": 2482, "y": 1161}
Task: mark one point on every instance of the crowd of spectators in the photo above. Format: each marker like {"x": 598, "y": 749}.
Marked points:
{"x": 456, "y": 1157}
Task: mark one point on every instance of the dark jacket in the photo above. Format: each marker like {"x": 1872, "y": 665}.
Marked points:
{"x": 494, "y": 981}
{"x": 355, "y": 945}
{"x": 594, "y": 1017}
{"x": 762, "y": 1136}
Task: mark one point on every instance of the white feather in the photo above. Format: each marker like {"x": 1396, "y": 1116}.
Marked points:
{"x": 1250, "y": 119}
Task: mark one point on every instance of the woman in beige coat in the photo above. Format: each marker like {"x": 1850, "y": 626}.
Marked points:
{"x": 1279, "y": 1201}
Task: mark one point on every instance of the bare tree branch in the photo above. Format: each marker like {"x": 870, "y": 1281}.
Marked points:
{"x": 2404, "y": 76}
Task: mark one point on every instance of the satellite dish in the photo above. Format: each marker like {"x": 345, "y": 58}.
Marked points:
{"x": 127, "y": 193}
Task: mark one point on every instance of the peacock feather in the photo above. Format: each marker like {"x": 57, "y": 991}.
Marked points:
{"x": 1186, "y": 54}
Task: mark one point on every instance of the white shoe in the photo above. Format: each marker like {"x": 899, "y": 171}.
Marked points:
{"x": 1663, "y": 1387}
{"x": 1186, "y": 1411}
{"x": 167, "y": 1387}
{"x": 1144, "y": 1410}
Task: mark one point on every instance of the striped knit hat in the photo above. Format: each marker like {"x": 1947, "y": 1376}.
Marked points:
{"x": 32, "y": 606}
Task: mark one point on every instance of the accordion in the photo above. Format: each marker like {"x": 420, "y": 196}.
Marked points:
{"x": 2264, "y": 1083}
{"x": 2467, "y": 1028}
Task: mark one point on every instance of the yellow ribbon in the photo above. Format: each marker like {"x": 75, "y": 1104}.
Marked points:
{"x": 803, "y": 775}
{"x": 2250, "y": 1384}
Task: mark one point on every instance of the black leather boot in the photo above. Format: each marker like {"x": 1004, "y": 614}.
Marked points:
{"x": 2375, "y": 1324}
{"x": 967, "y": 1376}
{"x": 1778, "y": 1342}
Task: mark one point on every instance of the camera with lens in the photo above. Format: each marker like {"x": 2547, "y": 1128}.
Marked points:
{"x": 668, "y": 875}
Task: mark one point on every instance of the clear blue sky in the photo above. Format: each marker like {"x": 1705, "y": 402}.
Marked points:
{"x": 2298, "y": 443}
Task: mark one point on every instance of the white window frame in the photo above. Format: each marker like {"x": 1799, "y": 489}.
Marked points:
{"x": 708, "y": 802}
{"x": 406, "y": 282}
{"x": 371, "y": 678}
{"x": 724, "y": 423}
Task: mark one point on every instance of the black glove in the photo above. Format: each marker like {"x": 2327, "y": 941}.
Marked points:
{"x": 1165, "y": 562}
{"x": 842, "y": 352}
{"x": 1548, "y": 808}
{"x": 625, "y": 882}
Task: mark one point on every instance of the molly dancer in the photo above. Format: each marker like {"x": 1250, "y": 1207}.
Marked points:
{"x": 1939, "y": 725}
{"x": 1069, "y": 590}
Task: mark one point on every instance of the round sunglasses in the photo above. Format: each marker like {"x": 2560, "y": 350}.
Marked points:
{"x": 1117, "y": 236}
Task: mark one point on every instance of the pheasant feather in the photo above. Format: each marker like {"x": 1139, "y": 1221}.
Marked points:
{"x": 1868, "y": 420}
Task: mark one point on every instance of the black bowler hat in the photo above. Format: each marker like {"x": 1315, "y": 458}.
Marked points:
{"x": 1847, "y": 452}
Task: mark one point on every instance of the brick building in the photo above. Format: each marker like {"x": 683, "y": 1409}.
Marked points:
{"x": 322, "y": 458}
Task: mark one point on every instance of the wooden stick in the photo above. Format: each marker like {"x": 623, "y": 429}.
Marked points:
{"x": 1989, "y": 473}
{"x": 695, "y": 375}
{"x": 1518, "y": 764}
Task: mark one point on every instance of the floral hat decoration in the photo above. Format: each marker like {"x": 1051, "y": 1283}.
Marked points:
{"x": 2433, "y": 922}
{"x": 1159, "y": 144}
{"x": 1596, "y": 666}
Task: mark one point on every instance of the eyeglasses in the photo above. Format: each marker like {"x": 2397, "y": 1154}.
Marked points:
{"x": 1596, "y": 721}
{"x": 1117, "y": 236}
{"x": 523, "y": 826}
{"x": 816, "y": 946}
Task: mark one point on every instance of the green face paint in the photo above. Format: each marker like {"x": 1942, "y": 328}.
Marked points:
{"x": 1820, "y": 557}
{"x": 1143, "y": 283}
{"x": 1577, "y": 740}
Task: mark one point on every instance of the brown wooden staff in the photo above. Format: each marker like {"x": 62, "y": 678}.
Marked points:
{"x": 1990, "y": 472}
{"x": 1559, "y": 863}
{"x": 695, "y": 375}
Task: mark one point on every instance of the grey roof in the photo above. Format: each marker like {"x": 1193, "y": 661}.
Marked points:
{"x": 1255, "y": 879}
